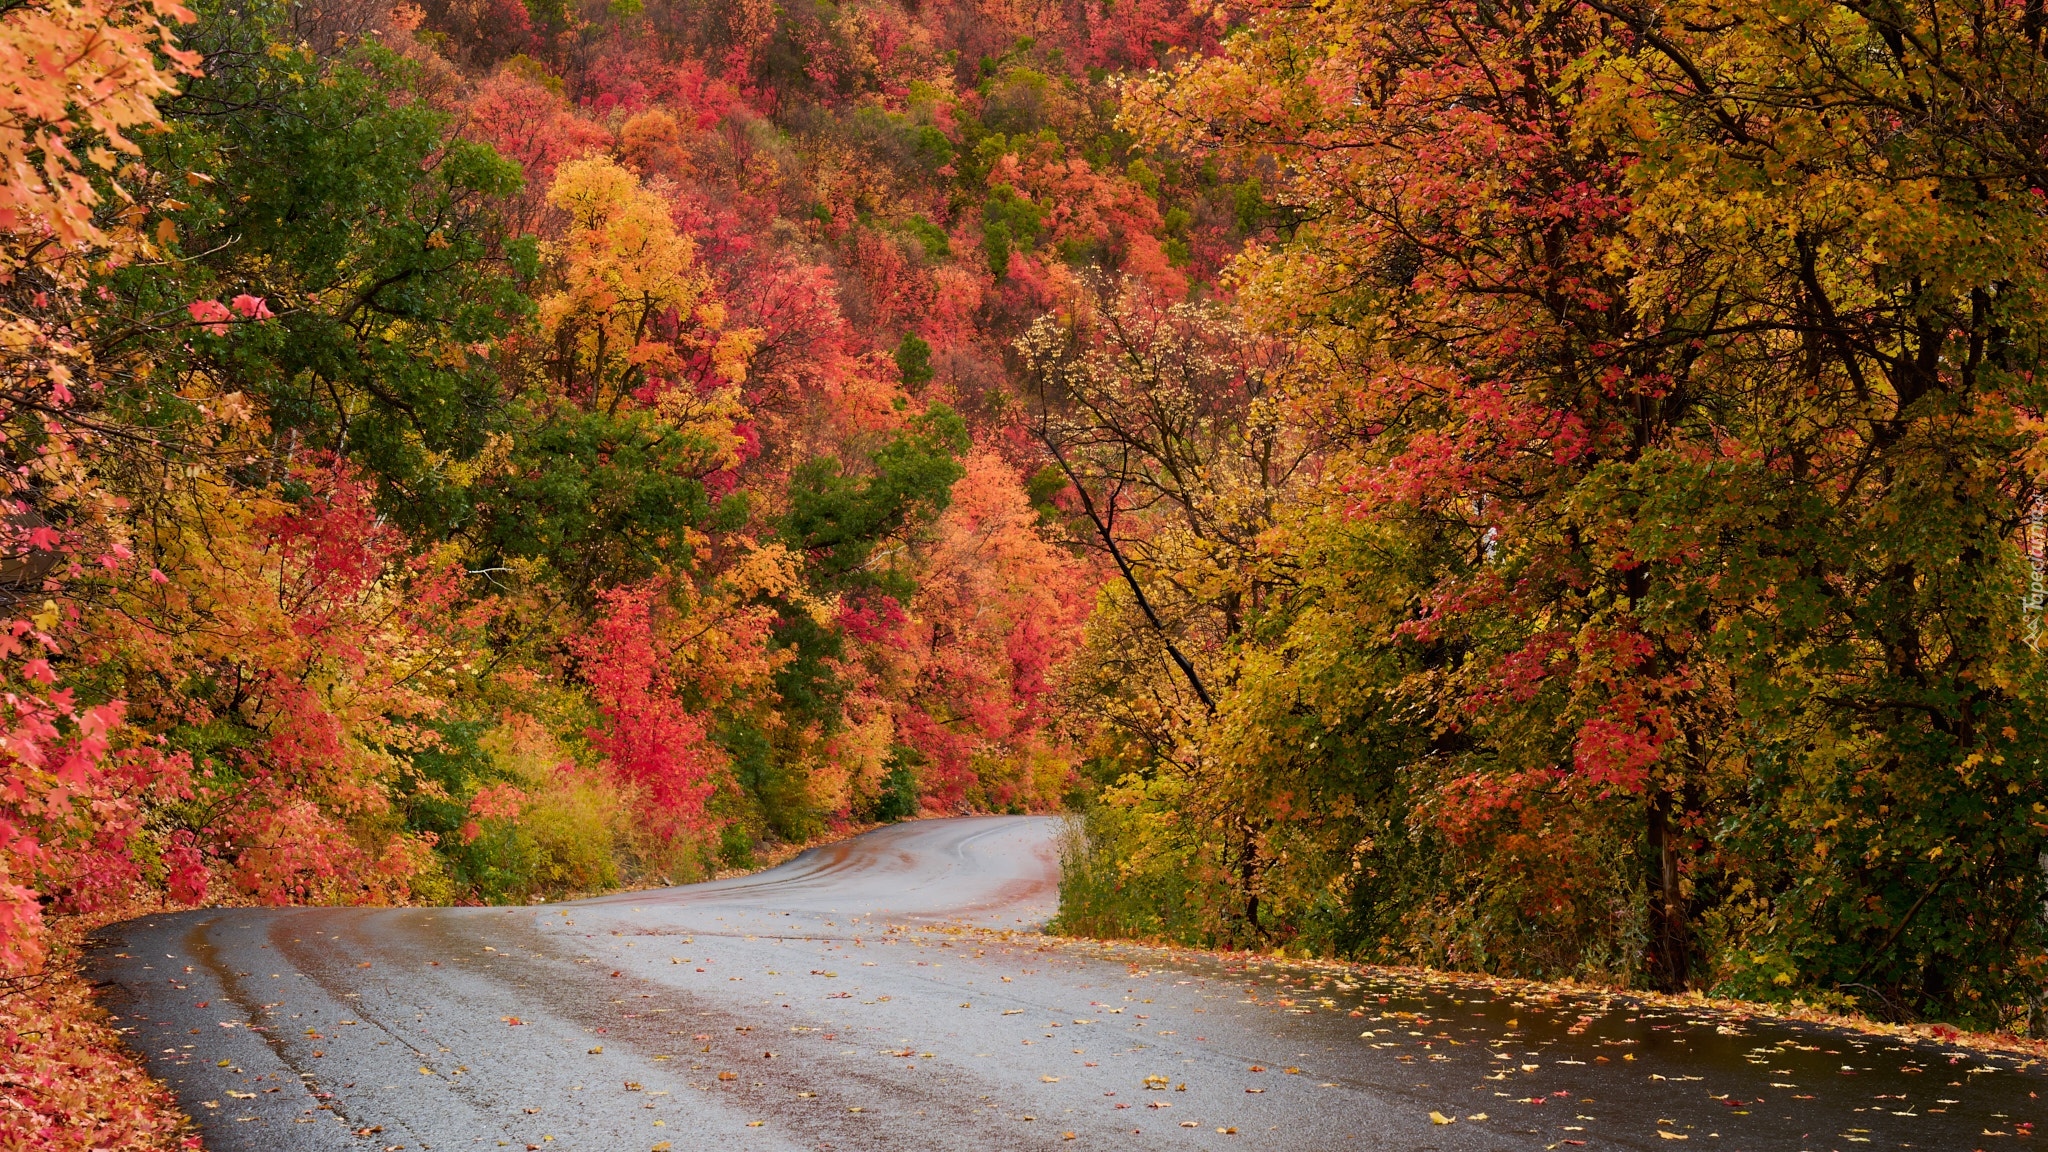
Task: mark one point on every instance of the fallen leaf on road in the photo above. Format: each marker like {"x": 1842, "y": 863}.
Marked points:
{"x": 596, "y": 1050}
{"x": 1066, "y": 1135}
{"x": 755, "y": 1123}
{"x": 1050, "y": 1079}
{"x": 1188, "y": 1124}
{"x": 1255, "y": 1091}
{"x": 728, "y": 1075}
{"x": 512, "y": 1020}
{"x": 1476, "y": 1116}
{"x": 1440, "y": 1118}
{"x": 661, "y": 1147}
{"x": 1292, "y": 1071}
{"x": 241, "y": 1095}
{"x": 1672, "y": 1135}
{"x": 1226, "y": 1131}
{"x": 531, "y": 1111}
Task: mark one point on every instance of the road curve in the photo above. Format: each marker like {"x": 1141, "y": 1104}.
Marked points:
{"x": 891, "y": 992}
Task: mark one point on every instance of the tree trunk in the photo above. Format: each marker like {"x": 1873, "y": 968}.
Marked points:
{"x": 1248, "y": 876}
{"x": 1669, "y": 959}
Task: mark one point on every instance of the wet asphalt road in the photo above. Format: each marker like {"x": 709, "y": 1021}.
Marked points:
{"x": 887, "y": 992}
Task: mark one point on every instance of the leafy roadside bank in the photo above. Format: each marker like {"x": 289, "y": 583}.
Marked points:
{"x": 68, "y": 1081}
{"x": 1162, "y": 952}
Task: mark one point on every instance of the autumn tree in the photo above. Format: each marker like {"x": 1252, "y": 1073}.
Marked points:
{"x": 376, "y": 242}
{"x": 1870, "y": 329}
{"x": 1688, "y": 451}
{"x": 1169, "y": 423}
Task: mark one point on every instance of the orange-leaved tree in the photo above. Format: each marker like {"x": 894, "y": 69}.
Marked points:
{"x": 81, "y": 76}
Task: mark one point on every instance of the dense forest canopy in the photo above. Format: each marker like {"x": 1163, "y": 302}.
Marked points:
{"x": 1541, "y": 488}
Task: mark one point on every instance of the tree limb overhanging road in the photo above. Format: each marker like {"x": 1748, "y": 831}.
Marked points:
{"x": 891, "y": 991}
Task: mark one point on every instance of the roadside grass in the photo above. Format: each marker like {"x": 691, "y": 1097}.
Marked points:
{"x": 1103, "y": 897}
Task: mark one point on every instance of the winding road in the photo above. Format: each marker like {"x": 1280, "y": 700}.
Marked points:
{"x": 891, "y": 991}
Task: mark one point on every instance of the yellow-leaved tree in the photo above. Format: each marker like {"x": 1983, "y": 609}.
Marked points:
{"x": 633, "y": 315}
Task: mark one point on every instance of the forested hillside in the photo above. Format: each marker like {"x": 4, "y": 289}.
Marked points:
{"x": 486, "y": 453}
{"x": 1537, "y": 489}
